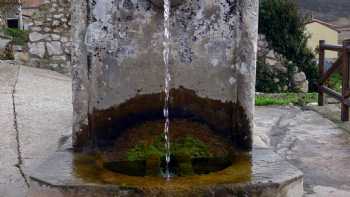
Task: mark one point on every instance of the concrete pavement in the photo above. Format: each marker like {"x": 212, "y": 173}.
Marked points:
{"x": 36, "y": 113}
{"x": 310, "y": 142}
{"x": 11, "y": 180}
{"x": 44, "y": 113}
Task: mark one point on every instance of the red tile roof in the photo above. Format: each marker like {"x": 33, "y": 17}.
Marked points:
{"x": 32, "y": 3}
{"x": 2, "y": 2}
{"x": 331, "y": 26}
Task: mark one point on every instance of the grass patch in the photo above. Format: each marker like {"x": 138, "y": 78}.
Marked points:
{"x": 335, "y": 82}
{"x": 285, "y": 99}
{"x": 19, "y": 37}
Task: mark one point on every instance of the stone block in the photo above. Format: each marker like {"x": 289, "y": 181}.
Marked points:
{"x": 54, "y": 48}
{"x": 37, "y": 49}
{"x": 35, "y": 36}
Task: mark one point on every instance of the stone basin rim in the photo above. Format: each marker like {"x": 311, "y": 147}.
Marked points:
{"x": 265, "y": 179}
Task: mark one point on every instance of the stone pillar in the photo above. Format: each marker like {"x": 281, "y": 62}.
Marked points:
{"x": 246, "y": 65}
{"x": 118, "y": 71}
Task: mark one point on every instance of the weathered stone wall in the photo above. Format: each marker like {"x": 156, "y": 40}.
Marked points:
{"x": 118, "y": 55}
{"x": 50, "y": 38}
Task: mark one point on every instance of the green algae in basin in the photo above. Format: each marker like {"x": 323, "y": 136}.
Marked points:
{"x": 147, "y": 138}
{"x": 90, "y": 168}
{"x": 189, "y": 156}
{"x": 187, "y": 145}
{"x": 195, "y": 149}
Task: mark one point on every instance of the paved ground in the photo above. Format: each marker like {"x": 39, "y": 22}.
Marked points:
{"x": 332, "y": 112}
{"x": 11, "y": 180}
{"x": 36, "y": 113}
{"x": 312, "y": 143}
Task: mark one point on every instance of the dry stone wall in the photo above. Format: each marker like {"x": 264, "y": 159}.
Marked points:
{"x": 49, "y": 36}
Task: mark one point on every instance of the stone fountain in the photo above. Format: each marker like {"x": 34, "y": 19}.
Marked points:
{"x": 118, "y": 87}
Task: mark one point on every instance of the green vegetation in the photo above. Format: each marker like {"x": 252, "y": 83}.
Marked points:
{"x": 335, "y": 82}
{"x": 187, "y": 145}
{"x": 286, "y": 99}
{"x": 265, "y": 79}
{"x": 284, "y": 29}
{"x": 192, "y": 146}
{"x": 19, "y": 37}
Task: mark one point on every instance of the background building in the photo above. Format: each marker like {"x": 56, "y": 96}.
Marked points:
{"x": 344, "y": 33}
{"x": 320, "y": 30}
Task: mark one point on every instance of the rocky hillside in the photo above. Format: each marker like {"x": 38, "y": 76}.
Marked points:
{"x": 334, "y": 11}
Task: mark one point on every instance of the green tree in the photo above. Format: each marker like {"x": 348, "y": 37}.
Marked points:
{"x": 284, "y": 29}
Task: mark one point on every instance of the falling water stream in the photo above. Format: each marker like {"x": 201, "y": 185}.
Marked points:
{"x": 167, "y": 80}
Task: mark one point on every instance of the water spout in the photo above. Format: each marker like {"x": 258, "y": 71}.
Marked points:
{"x": 173, "y": 3}
{"x": 167, "y": 80}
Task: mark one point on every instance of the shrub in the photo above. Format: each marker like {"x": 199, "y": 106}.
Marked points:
{"x": 284, "y": 29}
{"x": 19, "y": 37}
{"x": 266, "y": 79}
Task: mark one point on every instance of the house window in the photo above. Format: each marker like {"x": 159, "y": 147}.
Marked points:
{"x": 13, "y": 23}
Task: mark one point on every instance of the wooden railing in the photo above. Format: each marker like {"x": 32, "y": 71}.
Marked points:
{"x": 341, "y": 65}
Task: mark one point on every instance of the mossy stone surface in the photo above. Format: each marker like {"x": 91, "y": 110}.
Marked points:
{"x": 188, "y": 145}
{"x": 153, "y": 163}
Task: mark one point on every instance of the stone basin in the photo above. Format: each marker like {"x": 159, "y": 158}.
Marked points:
{"x": 266, "y": 175}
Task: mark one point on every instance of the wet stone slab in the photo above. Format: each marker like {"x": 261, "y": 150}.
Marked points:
{"x": 270, "y": 175}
